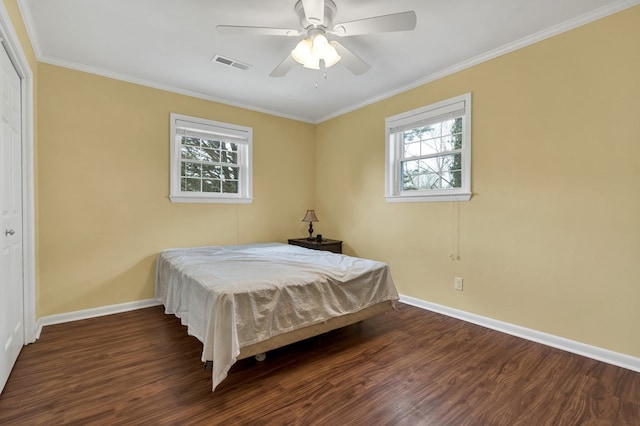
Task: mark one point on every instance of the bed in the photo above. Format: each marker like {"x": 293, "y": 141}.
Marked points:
{"x": 244, "y": 300}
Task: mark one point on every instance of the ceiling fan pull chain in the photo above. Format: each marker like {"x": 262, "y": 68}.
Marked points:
{"x": 323, "y": 68}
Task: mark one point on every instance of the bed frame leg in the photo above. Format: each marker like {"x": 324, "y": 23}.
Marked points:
{"x": 208, "y": 365}
{"x": 261, "y": 356}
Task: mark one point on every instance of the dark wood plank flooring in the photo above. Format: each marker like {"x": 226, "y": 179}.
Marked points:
{"x": 408, "y": 367}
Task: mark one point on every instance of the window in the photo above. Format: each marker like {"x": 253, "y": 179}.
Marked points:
{"x": 210, "y": 161}
{"x": 428, "y": 153}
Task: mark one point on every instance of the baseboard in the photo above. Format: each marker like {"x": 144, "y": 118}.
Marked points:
{"x": 93, "y": 313}
{"x": 589, "y": 351}
{"x": 594, "y": 352}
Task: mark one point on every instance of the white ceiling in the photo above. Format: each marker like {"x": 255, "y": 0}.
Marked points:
{"x": 169, "y": 44}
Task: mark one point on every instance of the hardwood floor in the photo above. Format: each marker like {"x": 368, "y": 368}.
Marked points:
{"x": 408, "y": 367}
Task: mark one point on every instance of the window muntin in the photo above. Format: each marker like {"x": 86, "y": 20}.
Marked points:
{"x": 211, "y": 161}
{"x": 428, "y": 152}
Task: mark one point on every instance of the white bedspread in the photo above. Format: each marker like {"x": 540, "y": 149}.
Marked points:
{"x": 233, "y": 296}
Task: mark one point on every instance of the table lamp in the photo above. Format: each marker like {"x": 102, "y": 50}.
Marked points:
{"x": 310, "y": 217}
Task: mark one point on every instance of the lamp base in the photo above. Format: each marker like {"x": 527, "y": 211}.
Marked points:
{"x": 310, "y": 232}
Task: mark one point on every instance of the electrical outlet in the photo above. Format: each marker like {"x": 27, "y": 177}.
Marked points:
{"x": 457, "y": 283}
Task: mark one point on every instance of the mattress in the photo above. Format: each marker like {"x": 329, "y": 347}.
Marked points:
{"x": 230, "y": 297}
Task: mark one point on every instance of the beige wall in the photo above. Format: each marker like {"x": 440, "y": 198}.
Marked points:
{"x": 551, "y": 238}
{"x": 104, "y": 181}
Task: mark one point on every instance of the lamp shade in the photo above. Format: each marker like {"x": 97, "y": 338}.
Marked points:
{"x": 310, "y": 216}
{"x": 302, "y": 52}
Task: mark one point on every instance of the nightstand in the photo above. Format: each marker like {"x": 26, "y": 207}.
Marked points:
{"x": 334, "y": 246}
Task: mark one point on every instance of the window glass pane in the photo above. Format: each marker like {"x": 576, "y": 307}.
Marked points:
{"x": 434, "y": 130}
{"x": 410, "y": 183}
{"x": 457, "y": 162}
{"x": 229, "y": 157}
{"x": 230, "y": 173}
{"x": 412, "y": 149}
{"x": 410, "y": 166}
{"x": 207, "y": 143}
{"x": 451, "y": 180}
{"x": 229, "y": 146}
{"x": 200, "y": 154}
{"x": 210, "y": 185}
{"x": 195, "y": 153}
{"x": 190, "y": 185}
{"x": 456, "y": 133}
{"x": 209, "y": 171}
{"x": 447, "y": 125}
{"x": 210, "y": 155}
{"x": 190, "y": 141}
{"x": 413, "y": 135}
{"x": 191, "y": 169}
{"x": 230, "y": 187}
{"x": 428, "y": 180}
{"x": 410, "y": 175}
{"x": 187, "y": 153}
{"x": 456, "y": 125}
{"x": 449, "y": 143}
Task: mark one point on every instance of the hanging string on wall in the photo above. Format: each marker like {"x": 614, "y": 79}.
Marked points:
{"x": 455, "y": 231}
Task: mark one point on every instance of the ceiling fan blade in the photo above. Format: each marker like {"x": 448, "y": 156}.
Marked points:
{"x": 236, "y": 29}
{"x": 350, "y": 60}
{"x": 283, "y": 68}
{"x": 314, "y": 11}
{"x": 403, "y": 21}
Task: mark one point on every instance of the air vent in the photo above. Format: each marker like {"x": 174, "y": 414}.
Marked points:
{"x": 230, "y": 62}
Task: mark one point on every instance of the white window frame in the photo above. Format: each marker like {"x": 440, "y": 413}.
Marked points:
{"x": 393, "y": 150}
{"x": 243, "y": 136}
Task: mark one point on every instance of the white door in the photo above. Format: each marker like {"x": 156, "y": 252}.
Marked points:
{"x": 11, "y": 278}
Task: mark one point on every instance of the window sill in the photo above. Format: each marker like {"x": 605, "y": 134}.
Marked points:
{"x": 427, "y": 198}
{"x": 192, "y": 199}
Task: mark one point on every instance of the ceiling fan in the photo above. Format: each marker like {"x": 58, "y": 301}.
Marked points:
{"x": 315, "y": 51}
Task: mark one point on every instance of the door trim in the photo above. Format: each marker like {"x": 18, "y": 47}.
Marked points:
{"x": 14, "y": 49}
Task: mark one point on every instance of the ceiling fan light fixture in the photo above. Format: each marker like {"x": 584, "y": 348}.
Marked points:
{"x": 309, "y": 52}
